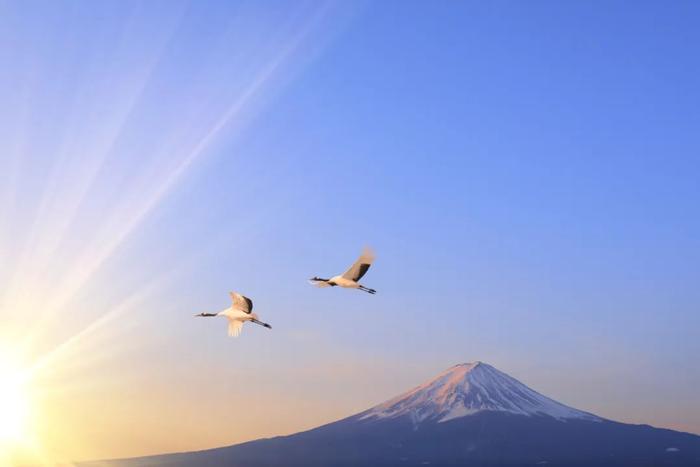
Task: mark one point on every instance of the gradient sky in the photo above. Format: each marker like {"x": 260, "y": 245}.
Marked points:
{"x": 528, "y": 173}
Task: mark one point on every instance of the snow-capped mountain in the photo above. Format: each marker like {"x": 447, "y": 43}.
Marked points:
{"x": 470, "y": 388}
{"x": 471, "y": 414}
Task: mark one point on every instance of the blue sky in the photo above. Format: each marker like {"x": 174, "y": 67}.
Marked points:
{"x": 526, "y": 171}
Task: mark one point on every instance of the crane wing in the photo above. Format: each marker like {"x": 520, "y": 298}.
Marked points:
{"x": 234, "y": 327}
{"x": 241, "y": 302}
{"x": 361, "y": 266}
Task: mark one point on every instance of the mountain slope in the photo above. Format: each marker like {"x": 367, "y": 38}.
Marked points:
{"x": 471, "y": 414}
{"x": 470, "y": 388}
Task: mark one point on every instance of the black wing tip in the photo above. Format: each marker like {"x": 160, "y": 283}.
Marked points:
{"x": 364, "y": 267}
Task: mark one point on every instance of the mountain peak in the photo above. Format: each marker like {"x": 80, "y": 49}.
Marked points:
{"x": 468, "y": 388}
{"x": 517, "y": 426}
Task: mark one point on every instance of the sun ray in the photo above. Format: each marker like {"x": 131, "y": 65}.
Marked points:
{"x": 51, "y": 270}
{"x": 48, "y": 230}
{"x": 75, "y": 281}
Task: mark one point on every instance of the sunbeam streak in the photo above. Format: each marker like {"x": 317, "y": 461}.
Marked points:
{"x": 72, "y": 343}
{"x": 60, "y": 205}
{"x": 94, "y": 258}
{"x": 73, "y": 170}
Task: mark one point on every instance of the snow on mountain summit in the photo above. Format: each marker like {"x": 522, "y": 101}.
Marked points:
{"x": 469, "y": 388}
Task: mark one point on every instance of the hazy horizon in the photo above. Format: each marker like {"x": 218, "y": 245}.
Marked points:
{"x": 527, "y": 173}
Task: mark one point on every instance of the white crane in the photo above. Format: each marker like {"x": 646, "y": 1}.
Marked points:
{"x": 238, "y": 313}
{"x": 349, "y": 279}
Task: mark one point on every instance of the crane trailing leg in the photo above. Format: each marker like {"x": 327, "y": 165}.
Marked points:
{"x": 367, "y": 289}
{"x": 261, "y": 323}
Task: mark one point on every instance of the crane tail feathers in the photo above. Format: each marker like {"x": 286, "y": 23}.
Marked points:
{"x": 234, "y": 328}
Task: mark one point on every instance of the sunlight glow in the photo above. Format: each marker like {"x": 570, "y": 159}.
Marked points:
{"x": 14, "y": 404}
{"x": 122, "y": 103}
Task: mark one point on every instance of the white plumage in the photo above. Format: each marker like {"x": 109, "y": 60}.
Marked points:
{"x": 240, "y": 311}
{"x": 349, "y": 279}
